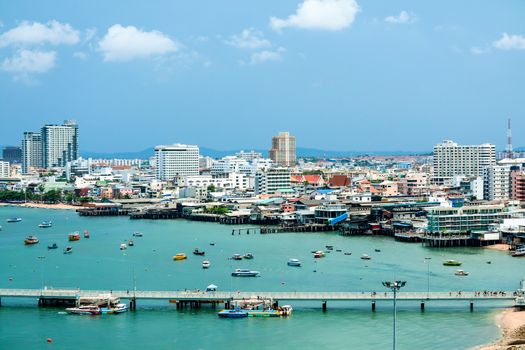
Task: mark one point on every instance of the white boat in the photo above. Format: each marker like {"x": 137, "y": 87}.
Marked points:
{"x": 123, "y": 246}
{"x": 14, "y": 219}
{"x": 115, "y": 309}
{"x": 365, "y": 257}
{"x": 137, "y": 234}
{"x": 45, "y": 224}
{"x": 285, "y": 310}
{"x": 245, "y": 273}
{"x": 294, "y": 262}
{"x": 206, "y": 264}
{"x": 84, "y": 310}
{"x": 520, "y": 251}
{"x": 461, "y": 273}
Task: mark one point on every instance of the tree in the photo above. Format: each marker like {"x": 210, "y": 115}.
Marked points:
{"x": 211, "y": 188}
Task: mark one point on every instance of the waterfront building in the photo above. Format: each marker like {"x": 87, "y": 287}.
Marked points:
{"x": 271, "y": 180}
{"x": 59, "y": 144}
{"x": 283, "y": 151}
{"x": 413, "y": 184}
{"x": 325, "y": 212}
{"x": 451, "y": 159}
{"x": 176, "y": 160}
{"x": 4, "y": 169}
{"x": 248, "y": 156}
{"x": 496, "y": 182}
{"x": 230, "y": 181}
{"x": 31, "y": 151}
{"x": 517, "y": 184}
{"x": 12, "y": 154}
{"x": 469, "y": 218}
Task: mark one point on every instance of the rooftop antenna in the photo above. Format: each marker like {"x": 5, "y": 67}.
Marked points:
{"x": 509, "y": 141}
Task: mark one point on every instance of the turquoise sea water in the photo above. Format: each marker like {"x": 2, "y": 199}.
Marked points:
{"x": 97, "y": 263}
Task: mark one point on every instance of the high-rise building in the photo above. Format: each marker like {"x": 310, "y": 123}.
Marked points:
{"x": 517, "y": 184}
{"x": 12, "y": 154}
{"x": 176, "y": 160}
{"x": 59, "y": 144}
{"x": 272, "y": 180}
{"x": 4, "y": 169}
{"x": 31, "y": 151}
{"x": 496, "y": 182}
{"x": 283, "y": 149}
{"x": 451, "y": 159}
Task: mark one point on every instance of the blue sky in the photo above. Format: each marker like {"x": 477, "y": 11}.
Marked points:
{"x": 338, "y": 74}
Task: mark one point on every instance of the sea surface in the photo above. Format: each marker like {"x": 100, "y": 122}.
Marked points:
{"x": 98, "y": 263}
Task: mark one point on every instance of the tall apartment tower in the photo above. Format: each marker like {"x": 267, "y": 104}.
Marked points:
{"x": 59, "y": 144}
{"x": 12, "y": 154}
{"x": 31, "y": 151}
{"x": 283, "y": 150}
{"x": 176, "y": 160}
{"x": 451, "y": 159}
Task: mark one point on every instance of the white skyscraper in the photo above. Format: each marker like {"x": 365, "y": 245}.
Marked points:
{"x": 176, "y": 160}
{"x": 31, "y": 151}
{"x": 496, "y": 182}
{"x": 271, "y": 180}
{"x": 4, "y": 169}
{"x": 451, "y": 159}
{"x": 59, "y": 144}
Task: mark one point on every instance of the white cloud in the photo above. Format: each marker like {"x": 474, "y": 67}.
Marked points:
{"x": 510, "y": 42}
{"x": 319, "y": 14}
{"x": 127, "y": 43}
{"x": 53, "y": 32}
{"x": 267, "y": 55}
{"x": 403, "y": 18}
{"x": 249, "y": 39}
{"x": 479, "y": 50}
{"x": 29, "y": 61}
{"x": 80, "y": 55}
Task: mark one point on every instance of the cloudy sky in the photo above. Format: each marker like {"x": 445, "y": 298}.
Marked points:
{"x": 339, "y": 74}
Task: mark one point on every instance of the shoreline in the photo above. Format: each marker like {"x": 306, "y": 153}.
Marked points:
{"x": 500, "y": 247}
{"x": 511, "y": 323}
{"x": 59, "y": 206}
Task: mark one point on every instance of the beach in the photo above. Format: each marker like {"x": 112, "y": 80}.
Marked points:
{"x": 512, "y": 325}
{"x": 500, "y": 246}
{"x": 59, "y": 206}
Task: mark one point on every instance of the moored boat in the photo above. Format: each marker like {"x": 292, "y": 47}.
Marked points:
{"x": 366, "y": 257}
{"x": 206, "y": 264}
{"x": 31, "y": 240}
{"x": 520, "y": 251}
{"x": 12, "y": 220}
{"x": 329, "y": 247}
{"x": 180, "y": 256}
{"x": 461, "y": 273}
{"x": 131, "y": 243}
{"x": 68, "y": 250}
{"x": 233, "y": 313}
{"x": 294, "y": 262}
{"x": 319, "y": 254}
{"x": 73, "y": 237}
{"x": 196, "y": 251}
{"x": 86, "y": 234}
{"x": 248, "y": 256}
{"x": 123, "y": 246}
{"x": 137, "y": 234}
{"x": 236, "y": 257}
{"x": 84, "y": 310}
{"x": 285, "y": 310}
{"x": 45, "y": 224}
{"x": 53, "y": 246}
{"x": 452, "y": 263}
{"x": 245, "y": 273}
{"x": 114, "y": 309}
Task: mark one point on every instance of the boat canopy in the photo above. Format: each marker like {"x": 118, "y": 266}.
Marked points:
{"x": 211, "y": 288}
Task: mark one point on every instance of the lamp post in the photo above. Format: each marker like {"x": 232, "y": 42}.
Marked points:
{"x": 428, "y": 276}
{"x": 394, "y": 286}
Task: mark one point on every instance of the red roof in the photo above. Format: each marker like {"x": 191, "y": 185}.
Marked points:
{"x": 339, "y": 181}
{"x": 311, "y": 179}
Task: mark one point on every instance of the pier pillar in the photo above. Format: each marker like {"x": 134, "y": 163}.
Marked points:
{"x": 471, "y": 306}
{"x": 324, "y": 305}
{"x": 422, "y": 306}
{"x": 373, "y": 306}
{"x": 275, "y": 304}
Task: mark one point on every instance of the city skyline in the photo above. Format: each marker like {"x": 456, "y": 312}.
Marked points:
{"x": 389, "y": 77}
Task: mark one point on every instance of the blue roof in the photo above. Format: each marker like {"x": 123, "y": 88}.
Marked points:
{"x": 324, "y": 191}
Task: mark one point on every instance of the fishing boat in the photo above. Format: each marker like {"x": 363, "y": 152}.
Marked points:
{"x": 131, "y": 243}
{"x": 84, "y": 310}
{"x": 245, "y": 273}
{"x": 329, "y": 247}
{"x": 452, "y": 263}
{"x": 520, "y": 251}
{"x": 45, "y": 224}
{"x": 212, "y": 243}
{"x": 53, "y": 246}
{"x": 236, "y": 257}
{"x": 366, "y": 257}
{"x": 12, "y": 220}
{"x": 461, "y": 273}
{"x": 339, "y": 250}
{"x": 196, "y": 251}
{"x": 68, "y": 250}
{"x": 348, "y": 253}
{"x": 123, "y": 246}
{"x": 180, "y": 256}
{"x": 294, "y": 262}
{"x": 233, "y": 313}
{"x": 206, "y": 264}
{"x": 86, "y": 234}
{"x": 114, "y": 309}
{"x": 137, "y": 234}
{"x": 264, "y": 313}
{"x": 319, "y": 254}
{"x": 248, "y": 256}
{"x": 377, "y": 250}
{"x": 31, "y": 240}
{"x": 74, "y": 237}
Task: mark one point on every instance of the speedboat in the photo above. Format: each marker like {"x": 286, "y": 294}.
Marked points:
{"x": 348, "y": 253}
{"x": 377, "y": 250}
{"x": 319, "y": 254}
{"x": 366, "y": 257}
{"x": 285, "y": 310}
{"x": 329, "y": 247}
{"x": 123, "y": 246}
{"x": 74, "y": 236}
{"x": 180, "y": 256}
{"x": 245, "y": 273}
{"x": 131, "y": 243}
{"x": 86, "y": 234}
{"x": 248, "y": 256}
{"x": 137, "y": 234}
{"x": 53, "y": 246}
{"x": 461, "y": 273}
{"x": 68, "y": 250}
{"x": 196, "y": 251}
{"x": 84, "y": 310}
{"x": 233, "y": 313}
{"x": 31, "y": 240}
{"x": 452, "y": 263}
{"x": 520, "y": 251}
{"x": 206, "y": 264}
{"x": 294, "y": 262}
{"x": 14, "y": 220}
{"x": 264, "y": 313}
{"x": 116, "y": 309}
{"x": 212, "y": 243}
{"x": 45, "y": 224}
{"x": 236, "y": 257}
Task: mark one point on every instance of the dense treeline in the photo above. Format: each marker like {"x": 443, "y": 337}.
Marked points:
{"x": 52, "y": 196}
